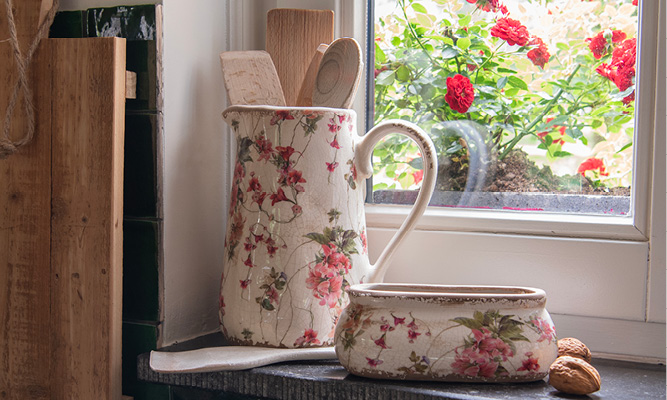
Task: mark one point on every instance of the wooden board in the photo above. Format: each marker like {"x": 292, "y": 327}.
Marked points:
{"x": 250, "y": 78}
{"x": 25, "y": 220}
{"x": 305, "y": 97}
{"x": 61, "y": 226}
{"x": 86, "y": 226}
{"x": 291, "y": 37}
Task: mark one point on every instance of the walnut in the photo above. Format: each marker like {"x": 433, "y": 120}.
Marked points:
{"x": 574, "y": 348}
{"x": 574, "y": 376}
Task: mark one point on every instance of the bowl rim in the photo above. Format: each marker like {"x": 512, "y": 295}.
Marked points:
{"x": 455, "y": 293}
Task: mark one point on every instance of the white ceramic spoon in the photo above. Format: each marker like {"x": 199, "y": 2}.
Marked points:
{"x": 232, "y": 358}
{"x": 338, "y": 75}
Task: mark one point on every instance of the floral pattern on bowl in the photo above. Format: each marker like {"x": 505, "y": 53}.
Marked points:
{"x": 446, "y": 333}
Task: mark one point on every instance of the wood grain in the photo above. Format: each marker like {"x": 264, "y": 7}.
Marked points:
{"x": 86, "y": 229}
{"x": 28, "y": 14}
{"x": 291, "y": 36}
{"x": 339, "y": 75}
{"x": 250, "y": 78}
{"x": 305, "y": 97}
{"x": 25, "y": 219}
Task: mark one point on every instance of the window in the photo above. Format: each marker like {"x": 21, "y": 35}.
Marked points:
{"x": 552, "y": 115}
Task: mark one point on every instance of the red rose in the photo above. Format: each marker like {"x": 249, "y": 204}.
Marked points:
{"x": 511, "y": 31}
{"x": 592, "y": 164}
{"x": 539, "y": 55}
{"x": 618, "y": 36}
{"x": 460, "y": 93}
{"x": 635, "y": 2}
{"x": 598, "y": 45}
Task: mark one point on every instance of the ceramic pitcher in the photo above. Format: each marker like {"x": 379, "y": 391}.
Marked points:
{"x": 296, "y": 236}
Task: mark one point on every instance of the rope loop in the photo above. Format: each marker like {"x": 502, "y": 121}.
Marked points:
{"x": 7, "y": 147}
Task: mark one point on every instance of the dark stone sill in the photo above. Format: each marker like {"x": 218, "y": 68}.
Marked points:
{"x": 329, "y": 380}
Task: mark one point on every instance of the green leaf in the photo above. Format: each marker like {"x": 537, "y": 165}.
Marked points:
{"x": 395, "y": 41}
{"x": 449, "y": 53}
{"x": 465, "y": 21}
{"x": 380, "y": 57}
{"x": 385, "y": 78}
{"x": 627, "y": 146}
{"x": 266, "y": 304}
{"x": 318, "y": 237}
{"x": 413, "y": 357}
{"x": 419, "y": 8}
{"x": 501, "y": 82}
{"x": 562, "y": 153}
{"x": 403, "y": 73}
{"x": 468, "y": 322}
{"x": 517, "y": 82}
{"x": 463, "y": 43}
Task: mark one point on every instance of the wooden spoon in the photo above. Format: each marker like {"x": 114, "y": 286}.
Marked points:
{"x": 232, "y": 358}
{"x": 251, "y": 78}
{"x": 305, "y": 98}
{"x": 291, "y": 36}
{"x": 339, "y": 75}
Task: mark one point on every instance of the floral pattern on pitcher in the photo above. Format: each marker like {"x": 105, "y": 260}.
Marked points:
{"x": 273, "y": 174}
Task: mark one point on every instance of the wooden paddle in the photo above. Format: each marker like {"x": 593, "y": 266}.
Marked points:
{"x": 291, "y": 36}
{"x": 339, "y": 75}
{"x": 305, "y": 98}
{"x": 251, "y": 78}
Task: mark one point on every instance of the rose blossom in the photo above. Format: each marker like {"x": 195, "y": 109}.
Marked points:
{"x": 460, "y": 93}
{"x": 511, "y": 31}
{"x": 540, "y": 54}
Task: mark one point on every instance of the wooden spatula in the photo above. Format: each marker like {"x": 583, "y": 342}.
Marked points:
{"x": 339, "y": 75}
{"x": 305, "y": 98}
{"x": 291, "y": 36}
{"x": 251, "y": 78}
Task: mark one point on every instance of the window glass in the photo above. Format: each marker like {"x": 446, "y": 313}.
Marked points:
{"x": 530, "y": 103}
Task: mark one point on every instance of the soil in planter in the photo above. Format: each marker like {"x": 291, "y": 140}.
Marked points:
{"x": 517, "y": 173}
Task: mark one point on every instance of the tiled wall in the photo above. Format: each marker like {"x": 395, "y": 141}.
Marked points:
{"x": 141, "y": 26}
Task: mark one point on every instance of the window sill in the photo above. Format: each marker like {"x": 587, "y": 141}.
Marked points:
{"x": 328, "y": 379}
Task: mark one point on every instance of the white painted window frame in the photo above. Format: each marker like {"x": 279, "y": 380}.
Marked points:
{"x": 604, "y": 275}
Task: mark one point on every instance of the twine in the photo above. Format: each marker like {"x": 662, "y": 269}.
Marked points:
{"x": 7, "y": 147}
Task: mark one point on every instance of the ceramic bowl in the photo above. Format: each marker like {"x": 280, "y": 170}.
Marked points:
{"x": 446, "y": 333}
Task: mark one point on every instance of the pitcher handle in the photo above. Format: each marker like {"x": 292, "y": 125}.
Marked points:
{"x": 364, "y": 151}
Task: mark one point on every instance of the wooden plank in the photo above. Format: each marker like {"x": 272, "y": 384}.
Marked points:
{"x": 86, "y": 229}
{"x": 250, "y": 78}
{"x": 28, "y": 14}
{"x": 291, "y": 37}
{"x": 25, "y": 218}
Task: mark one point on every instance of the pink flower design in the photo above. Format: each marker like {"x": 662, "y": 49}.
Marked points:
{"x": 245, "y": 283}
{"x": 364, "y": 242}
{"x": 264, "y": 148}
{"x": 281, "y": 115}
{"x": 412, "y": 335}
{"x": 373, "y": 362}
{"x": 254, "y": 185}
{"x": 278, "y": 196}
{"x": 546, "y": 330}
{"x": 309, "y": 337}
{"x": 332, "y": 166}
{"x": 249, "y": 245}
{"x": 258, "y": 197}
{"x": 529, "y": 364}
{"x": 398, "y": 321}
{"x": 294, "y": 177}
{"x": 471, "y": 363}
{"x": 380, "y": 342}
{"x": 248, "y": 262}
{"x": 334, "y": 143}
{"x": 325, "y": 284}
{"x": 273, "y": 295}
{"x": 335, "y": 260}
{"x": 285, "y": 152}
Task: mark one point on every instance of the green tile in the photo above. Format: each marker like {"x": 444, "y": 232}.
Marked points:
{"x": 140, "y": 270}
{"x": 140, "y": 184}
{"x": 142, "y": 59}
{"x": 130, "y": 22}
{"x": 139, "y": 339}
{"x": 67, "y": 24}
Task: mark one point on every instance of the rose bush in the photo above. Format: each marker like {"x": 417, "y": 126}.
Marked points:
{"x": 554, "y": 78}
